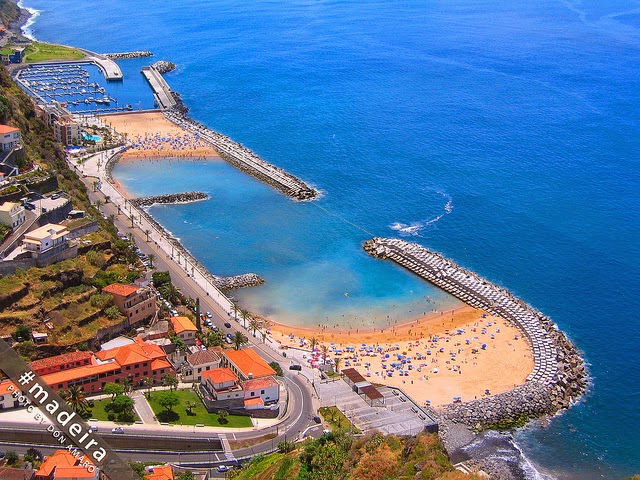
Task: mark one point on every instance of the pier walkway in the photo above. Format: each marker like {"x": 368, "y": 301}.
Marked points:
{"x": 246, "y": 160}
{"x": 477, "y": 292}
{"x": 161, "y": 90}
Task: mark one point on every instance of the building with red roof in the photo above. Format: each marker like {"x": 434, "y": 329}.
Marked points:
{"x": 62, "y": 465}
{"x": 8, "y": 473}
{"x": 136, "y": 303}
{"x": 9, "y": 137}
{"x": 247, "y": 364}
{"x": 185, "y": 329}
{"x": 160, "y": 472}
{"x": 135, "y": 361}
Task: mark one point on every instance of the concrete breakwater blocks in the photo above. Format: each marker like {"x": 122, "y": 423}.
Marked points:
{"x": 171, "y": 198}
{"x": 558, "y": 377}
{"x": 245, "y": 160}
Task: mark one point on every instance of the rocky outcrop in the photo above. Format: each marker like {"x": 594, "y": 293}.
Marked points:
{"x": 559, "y": 376}
{"x": 125, "y": 55}
{"x": 164, "y": 66}
{"x": 170, "y": 198}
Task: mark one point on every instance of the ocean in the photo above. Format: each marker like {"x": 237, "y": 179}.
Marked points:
{"x": 502, "y": 134}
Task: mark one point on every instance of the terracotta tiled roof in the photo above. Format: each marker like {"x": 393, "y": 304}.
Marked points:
{"x": 249, "y": 362}
{"x": 253, "y": 401}
{"x": 219, "y": 375}
{"x": 258, "y": 383}
{"x": 7, "y": 129}
{"x": 163, "y": 472}
{"x": 79, "y": 372}
{"x": 203, "y": 357}
{"x": 59, "y": 459}
{"x": 8, "y": 473}
{"x": 65, "y": 358}
{"x": 7, "y": 386}
{"x": 160, "y": 363}
{"x": 73, "y": 472}
{"x": 134, "y": 353}
{"x": 182, "y": 324}
{"x": 120, "y": 289}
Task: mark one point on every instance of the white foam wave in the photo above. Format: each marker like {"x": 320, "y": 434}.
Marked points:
{"x": 414, "y": 228}
{"x": 26, "y": 29}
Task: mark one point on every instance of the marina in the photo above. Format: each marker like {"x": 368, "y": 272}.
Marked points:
{"x": 69, "y": 85}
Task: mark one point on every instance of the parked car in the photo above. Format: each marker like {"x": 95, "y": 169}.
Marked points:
{"x": 209, "y": 315}
{"x": 227, "y": 324}
{"x": 117, "y": 430}
{"x": 295, "y": 367}
{"x": 317, "y": 419}
{"x": 222, "y": 469}
{"x": 93, "y": 428}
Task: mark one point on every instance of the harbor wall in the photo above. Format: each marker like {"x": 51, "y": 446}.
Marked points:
{"x": 558, "y": 377}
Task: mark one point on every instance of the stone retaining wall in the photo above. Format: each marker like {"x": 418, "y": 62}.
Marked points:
{"x": 559, "y": 375}
{"x": 124, "y": 55}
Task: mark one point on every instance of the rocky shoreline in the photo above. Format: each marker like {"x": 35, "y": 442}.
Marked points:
{"x": 559, "y": 377}
{"x": 170, "y": 198}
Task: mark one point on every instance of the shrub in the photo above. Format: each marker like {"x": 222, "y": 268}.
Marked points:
{"x": 286, "y": 447}
{"x": 111, "y": 416}
{"x": 112, "y": 312}
{"x": 100, "y": 300}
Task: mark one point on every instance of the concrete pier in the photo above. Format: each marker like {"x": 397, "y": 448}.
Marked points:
{"x": 558, "y": 370}
{"x": 246, "y": 160}
{"x": 161, "y": 91}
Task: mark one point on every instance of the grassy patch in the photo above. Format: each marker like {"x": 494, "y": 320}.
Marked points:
{"x": 99, "y": 413}
{"x": 336, "y": 419}
{"x": 39, "y": 52}
{"x": 199, "y": 414}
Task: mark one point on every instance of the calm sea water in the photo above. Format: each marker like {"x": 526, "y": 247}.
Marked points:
{"x": 503, "y": 134}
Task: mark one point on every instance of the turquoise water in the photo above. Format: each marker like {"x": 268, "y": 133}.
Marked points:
{"x": 514, "y": 124}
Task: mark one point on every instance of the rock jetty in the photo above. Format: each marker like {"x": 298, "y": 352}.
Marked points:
{"x": 244, "y": 159}
{"x": 170, "y": 198}
{"x": 164, "y": 66}
{"x": 124, "y": 55}
{"x": 559, "y": 376}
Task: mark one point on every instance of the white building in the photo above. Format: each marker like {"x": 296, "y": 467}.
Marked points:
{"x": 9, "y": 137}
{"x": 44, "y": 238}
{"x": 198, "y": 363}
{"x": 12, "y": 214}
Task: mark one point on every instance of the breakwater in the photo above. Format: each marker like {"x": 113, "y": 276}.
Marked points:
{"x": 164, "y": 66}
{"x": 245, "y": 160}
{"x": 125, "y": 55}
{"x": 170, "y": 198}
{"x": 558, "y": 376}
{"x": 162, "y": 93}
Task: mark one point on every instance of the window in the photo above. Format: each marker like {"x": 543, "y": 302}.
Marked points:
{"x": 253, "y": 394}
{"x": 199, "y": 370}
{"x": 162, "y": 370}
{"x": 261, "y": 392}
{"x": 145, "y": 364}
{"x": 128, "y": 367}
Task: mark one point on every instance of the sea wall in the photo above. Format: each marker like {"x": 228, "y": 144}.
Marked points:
{"x": 558, "y": 377}
{"x": 171, "y": 198}
{"x": 124, "y": 55}
{"x": 245, "y": 160}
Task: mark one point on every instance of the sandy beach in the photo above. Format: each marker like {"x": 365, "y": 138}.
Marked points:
{"x": 445, "y": 350}
{"x": 153, "y": 136}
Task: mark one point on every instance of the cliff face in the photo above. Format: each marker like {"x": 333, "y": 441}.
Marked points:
{"x": 9, "y": 12}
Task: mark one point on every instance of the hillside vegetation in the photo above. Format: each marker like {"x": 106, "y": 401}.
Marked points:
{"x": 338, "y": 456}
{"x": 9, "y": 12}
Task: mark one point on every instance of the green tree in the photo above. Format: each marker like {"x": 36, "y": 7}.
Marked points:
{"x": 254, "y": 324}
{"x": 235, "y": 309}
{"x": 190, "y": 407}
{"x": 112, "y": 313}
{"x": 148, "y": 382}
{"x": 222, "y": 416}
{"x": 151, "y": 258}
{"x": 127, "y": 385}
{"x": 186, "y": 476}
{"x": 245, "y": 315}
{"x": 213, "y": 338}
{"x": 147, "y": 232}
{"x": 239, "y": 340}
{"x": 74, "y": 396}
{"x": 113, "y": 389}
{"x": 160, "y": 278}
{"x": 170, "y": 293}
{"x": 313, "y": 343}
{"x": 22, "y": 333}
{"x": 277, "y": 368}
{"x": 337, "y": 361}
{"x": 167, "y": 400}
{"x": 123, "y": 406}
{"x": 170, "y": 381}
{"x": 11, "y": 457}
{"x": 179, "y": 343}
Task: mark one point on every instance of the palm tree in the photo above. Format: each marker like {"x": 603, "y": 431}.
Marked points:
{"x": 239, "y": 340}
{"x": 264, "y": 336}
{"x": 95, "y": 184}
{"x": 244, "y": 314}
{"x": 235, "y": 308}
{"x": 148, "y": 382}
{"x": 119, "y": 209}
{"x": 170, "y": 293}
{"x": 337, "y": 362}
{"x": 98, "y": 204}
{"x": 313, "y": 343}
{"x": 147, "y": 232}
{"x": 324, "y": 350}
{"x": 127, "y": 384}
{"x": 254, "y": 325}
{"x": 75, "y": 398}
{"x": 151, "y": 258}
{"x": 107, "y": 198}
